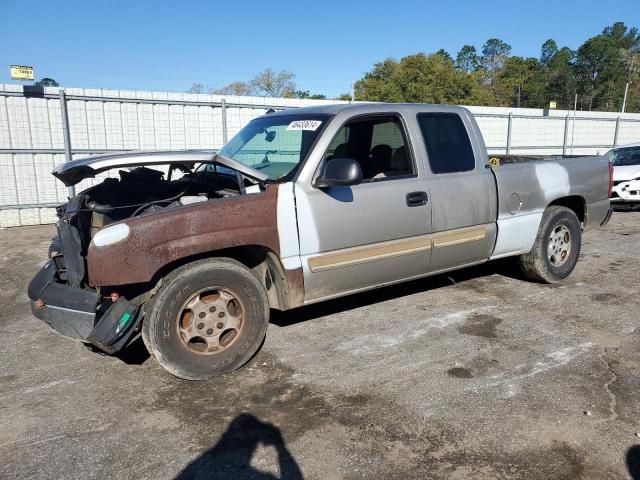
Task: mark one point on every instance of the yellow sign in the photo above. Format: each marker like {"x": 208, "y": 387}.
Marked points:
{"x": 20, "y": 72}
{"x": 552, "y": 104}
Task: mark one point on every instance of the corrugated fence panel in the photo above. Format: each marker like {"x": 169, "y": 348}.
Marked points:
{"x": 494, "y": 132}
{"x": 102, "y": 121}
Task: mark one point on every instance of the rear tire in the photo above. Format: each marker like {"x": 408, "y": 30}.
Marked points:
{"x": 208, "y": 318}
{"x": 557, "y": 246}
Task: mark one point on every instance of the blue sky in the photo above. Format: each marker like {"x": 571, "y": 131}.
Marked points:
{"x": 159, "y": 45}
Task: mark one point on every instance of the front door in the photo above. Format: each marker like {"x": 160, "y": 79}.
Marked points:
{"x": 353, "y": 238}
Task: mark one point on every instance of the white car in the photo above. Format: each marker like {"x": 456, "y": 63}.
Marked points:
{"x": 626, "y": 173}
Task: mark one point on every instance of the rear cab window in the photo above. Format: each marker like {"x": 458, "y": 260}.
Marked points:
{"x": 447, "y": 143}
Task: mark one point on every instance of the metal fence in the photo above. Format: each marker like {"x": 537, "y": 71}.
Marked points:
{"x": 41, "y": 128}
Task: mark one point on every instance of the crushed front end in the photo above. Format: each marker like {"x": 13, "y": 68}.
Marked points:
{"x": 61, "y": 297}
{"x": 77, "y": 297}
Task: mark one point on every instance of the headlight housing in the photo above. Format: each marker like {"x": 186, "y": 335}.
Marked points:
{"x": 111, "y": 235}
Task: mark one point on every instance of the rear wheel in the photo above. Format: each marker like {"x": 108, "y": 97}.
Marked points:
{"x": 557, "y": 246}
{"x": 208, "y": 318}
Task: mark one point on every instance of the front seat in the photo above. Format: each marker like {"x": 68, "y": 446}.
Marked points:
{"x": 399, "y": 164}
{"x": 379, "y": 160}
{"x": 340, "y": 151}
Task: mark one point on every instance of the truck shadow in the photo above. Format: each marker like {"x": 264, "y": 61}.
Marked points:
{"x": 137, "y": 354}
{"x": 231, "y": 457}
{"x": 625, "y": 207}
{"x": 633, "y": 462}
{"x": 505, "y": 267}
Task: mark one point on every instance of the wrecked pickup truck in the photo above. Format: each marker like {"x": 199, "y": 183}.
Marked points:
{"x": 192, "y": 249}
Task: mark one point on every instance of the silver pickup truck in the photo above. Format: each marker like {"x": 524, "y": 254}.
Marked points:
{"x": 192, "y": 249}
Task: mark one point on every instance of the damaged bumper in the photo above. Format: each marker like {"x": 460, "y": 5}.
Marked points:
{"x": 626, "y": 191}
{"x": 81, "y": 314}
{"x": 71, "y": 311}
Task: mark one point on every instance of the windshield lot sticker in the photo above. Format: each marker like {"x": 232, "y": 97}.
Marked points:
{"x": 305, "y": 125}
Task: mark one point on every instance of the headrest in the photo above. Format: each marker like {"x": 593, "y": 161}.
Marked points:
{"x": 381, "y": 151}
{"x": 340, "y": 151}
{"x": 399, "y": 160}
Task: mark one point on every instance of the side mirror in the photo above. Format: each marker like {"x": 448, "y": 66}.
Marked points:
{"x": 340, "y": 172}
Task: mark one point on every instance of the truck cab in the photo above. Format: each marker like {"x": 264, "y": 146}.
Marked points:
{"x": 425, "y": 203}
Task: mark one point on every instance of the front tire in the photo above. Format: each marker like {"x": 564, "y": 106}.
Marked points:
{"x": 208, "y": 318}
{"x": 557, "y": 246}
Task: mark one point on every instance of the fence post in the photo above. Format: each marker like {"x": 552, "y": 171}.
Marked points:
{"x": 565, "y": 139}
{"x": 223, "y": 107}
{"x": 66, "y": 135}
{"x": 509, "y": 125}
{"x": 615, "y": 135}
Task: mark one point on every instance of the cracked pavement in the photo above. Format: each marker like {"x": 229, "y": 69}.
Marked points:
{"x": 474, "y": 374}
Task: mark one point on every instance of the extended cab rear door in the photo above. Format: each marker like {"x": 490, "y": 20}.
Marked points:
{"x": 462, "y": 190}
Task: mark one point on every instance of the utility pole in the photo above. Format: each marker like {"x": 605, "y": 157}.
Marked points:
{"x": 626, "y": 86}
{"x": 624, "y": 99}
{"x": 519, "y": 90}
{"x": 573, "y": 124}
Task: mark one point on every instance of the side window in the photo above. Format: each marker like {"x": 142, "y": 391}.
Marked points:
{"x": 379, "y": 144}
{"x": 447, "y": 142}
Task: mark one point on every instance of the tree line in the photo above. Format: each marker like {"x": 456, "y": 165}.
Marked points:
{"x": 596, "y": 72}
{"x": 593, "y": 77}
{"x": 267, "y": 83}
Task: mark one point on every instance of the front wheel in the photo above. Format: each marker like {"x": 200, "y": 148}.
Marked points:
{"x": 208, "y": 318}
{"x": 557, "y": 246}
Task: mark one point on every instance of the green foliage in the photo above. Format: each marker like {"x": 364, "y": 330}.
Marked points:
{"x": 46, "y": 82}
{"x": 306, "y": 94}
{"x": 549, "y": 49}
{"x": 467, "y": 59}
{"x": 494, "y": 54}
{"x": 597, "y": 73}
{"x": 416, "y": 78}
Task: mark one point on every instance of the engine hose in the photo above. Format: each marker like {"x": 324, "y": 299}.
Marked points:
{"x": 155, "y": 202}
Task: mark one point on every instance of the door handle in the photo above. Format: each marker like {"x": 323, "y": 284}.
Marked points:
{"x": 417, "y": 199}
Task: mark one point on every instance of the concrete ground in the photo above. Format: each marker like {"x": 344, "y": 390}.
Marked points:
{"x": 475, "y": 374}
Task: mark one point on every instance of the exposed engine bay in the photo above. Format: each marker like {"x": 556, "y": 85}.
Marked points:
{"x": 139, "y": 191}
{"x": 143, "y": 190}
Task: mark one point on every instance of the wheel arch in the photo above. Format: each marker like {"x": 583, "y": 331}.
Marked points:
{"x": 575, "y": 203}
{"x": 261, "y": 260}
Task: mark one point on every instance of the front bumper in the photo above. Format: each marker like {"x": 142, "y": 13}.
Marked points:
{"x": 71, "y": 311}
{"x": 81, "y": 314}
{"x": 626, "y": 192}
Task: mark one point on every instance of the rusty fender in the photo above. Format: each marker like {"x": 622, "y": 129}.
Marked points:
{"x": 158, "y": 239}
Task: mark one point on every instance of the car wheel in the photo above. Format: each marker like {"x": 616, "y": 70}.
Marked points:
{"x": 208, "y": 318}
{"x": 557, "y": 246}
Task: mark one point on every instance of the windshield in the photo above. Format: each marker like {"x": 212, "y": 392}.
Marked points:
{"x": 275, "y": 145}
{"x": 624, "y": 156}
